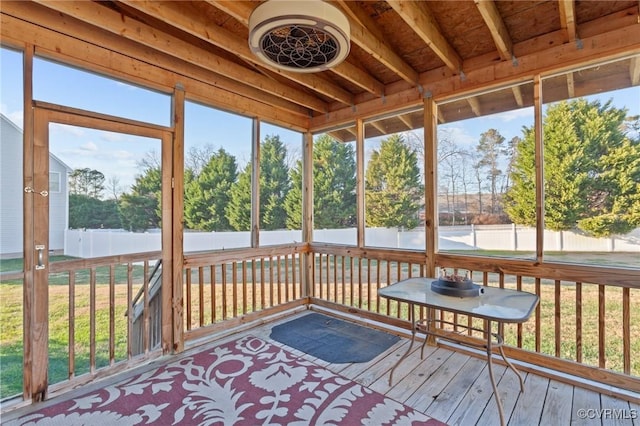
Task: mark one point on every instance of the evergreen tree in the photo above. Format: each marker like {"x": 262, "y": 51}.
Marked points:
{"x": 238, "y": 210}
{"x": 392, "y": 185}
{"x": 274, "y": 186}
{"x": 274, "y": 183}
{"x": 207, "y": 195}
{"x": 334, "y": 186}
{"x": 591, "y": 167}
{"x": 141, "y": 209}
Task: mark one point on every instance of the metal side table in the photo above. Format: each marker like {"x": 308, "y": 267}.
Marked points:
{"x": 496, "y": 304}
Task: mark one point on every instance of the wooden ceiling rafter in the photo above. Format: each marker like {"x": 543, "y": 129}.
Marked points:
{"x": 366, "y": 34}
{"x": 54, "y": 45}
{"x": 567, "y": 10}
{"x": 224, "y": 39}
{"x": 402, "y": 51}
{"x": 420, "y": 19}
{"x": 346, "y": 70}
{"x": 501, "y": 37}
{"x": 137, "y": 31}
{"x": 634, "y": 70}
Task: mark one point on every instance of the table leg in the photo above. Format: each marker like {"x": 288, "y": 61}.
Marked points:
{"x": 512, "y": 367}
{"x": 412, "y": 318}
{"x": 493, "y": 380}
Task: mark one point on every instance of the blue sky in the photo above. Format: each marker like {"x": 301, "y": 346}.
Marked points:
{"x": 117, "y": 155}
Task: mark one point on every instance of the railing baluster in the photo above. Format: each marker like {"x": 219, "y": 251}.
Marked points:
{"x": 234, "y": 288}
{"x": 538, "y": 316}
{"x": 602, "y": 360}
{"x": 72, "y": 324}
{"x": 145, "y": 314}
{"x": 557, "y": 318}
{"x": 188, "y": 284}
{"x": 626, "y": 330}
{"x": 224, "y": 291}
{"x": 201, "y": 295}
{"x": 214, "y": 292}
{"x": 519, "y": 326}
{"x": 244, "y": 287}
{"x": 112, "y": 314}
{"x": 129, "y": 309}
{"x": 579, "y": 322}
{"x": 92, "y": 320}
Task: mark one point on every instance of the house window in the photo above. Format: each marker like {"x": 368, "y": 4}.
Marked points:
{"x": 54, "y": 182}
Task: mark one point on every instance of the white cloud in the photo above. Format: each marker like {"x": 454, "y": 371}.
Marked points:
{"x": 89, "y": 146}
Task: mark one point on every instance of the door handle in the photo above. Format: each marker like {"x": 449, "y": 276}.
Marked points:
{"x": 40, "y": 256}
{"x": 30, "y": 189}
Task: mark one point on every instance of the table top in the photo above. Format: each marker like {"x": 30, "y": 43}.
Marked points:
{"x": 497, "y": 304}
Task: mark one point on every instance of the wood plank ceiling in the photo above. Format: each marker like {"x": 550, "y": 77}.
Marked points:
{"x": 401, "y": 51}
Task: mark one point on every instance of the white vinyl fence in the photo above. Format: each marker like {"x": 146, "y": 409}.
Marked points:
{"x": 103, "y": 242}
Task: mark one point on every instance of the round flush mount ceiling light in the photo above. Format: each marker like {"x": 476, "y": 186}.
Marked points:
{"x": 300, "y": 36}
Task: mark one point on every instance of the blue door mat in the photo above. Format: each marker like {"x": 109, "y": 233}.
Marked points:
{"x": 333, "y": 340}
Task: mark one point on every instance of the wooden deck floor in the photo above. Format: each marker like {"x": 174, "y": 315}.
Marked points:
{"x": 455, "y": 388}
{"x": 452, "y": 386}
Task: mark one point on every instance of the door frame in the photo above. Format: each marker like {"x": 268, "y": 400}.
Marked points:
{"x": 36, "y": 230}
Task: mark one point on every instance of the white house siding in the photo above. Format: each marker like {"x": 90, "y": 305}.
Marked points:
{"x": 11, "y": 194}
{"x": 58, "y": 205}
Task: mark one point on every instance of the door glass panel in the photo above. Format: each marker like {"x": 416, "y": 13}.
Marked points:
{"x": 104, "y": 200}
{"x": 11, "y": 220}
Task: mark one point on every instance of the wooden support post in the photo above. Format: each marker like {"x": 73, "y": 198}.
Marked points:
{"x": 307, "y": 212}
{"x": 360, "y": 207}
{"x": 431, "y": 183}
{"x": 176, "y": 318}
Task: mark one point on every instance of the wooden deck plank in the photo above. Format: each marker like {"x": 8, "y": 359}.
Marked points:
{"x": 558, "y": 403}
{"x": 367, "y": 373}
{"x": 615, "y": 412}
{"x": 468, "y": 412}
{"x": 454, "y": 392}
{"x": 406, "y": 381}
{"x": 530, "y": 404}
{"x": 583, "y": 401}
{"x": 509, "y": 392}
{"x": 635, "y": 413}
{"x": 434, "y": 384}
{"x": 452, "y": 387}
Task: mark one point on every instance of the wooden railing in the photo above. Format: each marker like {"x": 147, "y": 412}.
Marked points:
{"x": 587, "y": 323}
{"x": 95, "y": 298}
{"x": 235, "y": 285}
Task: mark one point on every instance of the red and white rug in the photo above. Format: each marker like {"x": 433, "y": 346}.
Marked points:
{"x": 245, "y": 382}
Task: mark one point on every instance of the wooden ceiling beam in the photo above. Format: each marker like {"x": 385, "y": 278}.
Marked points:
{"x": 621, "y": 40}
{"x": 571, "y": 86}
{"x": 517, "y": 95}
{"x": 365, "y": 33}
{"x": 498, "y": 29}
{"x": 420, "y": 19}
{"x": 196, "y": 25}
{"x": 568, "y": 18}
{"x": 242, "y": 10}
{"x": 634, "y": 70}
{"x": 406, "y": 120}
{"x": 147, "y": 70}
{"x": 117, "y": 23}
{"x": 474, "y": 103}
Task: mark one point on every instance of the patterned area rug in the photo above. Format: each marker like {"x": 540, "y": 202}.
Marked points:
{"x": 245, "y": 382}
